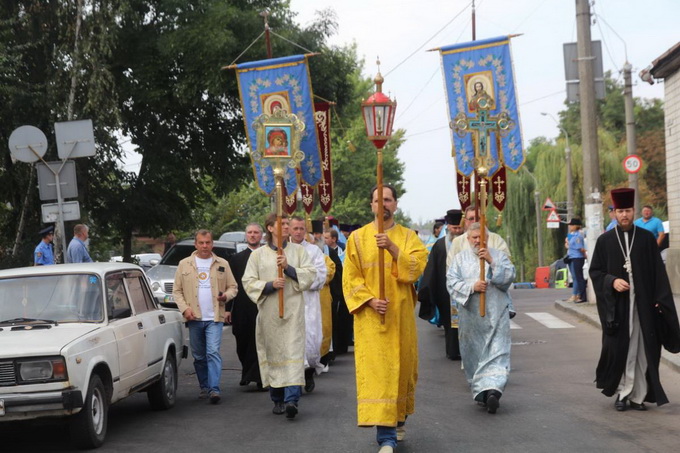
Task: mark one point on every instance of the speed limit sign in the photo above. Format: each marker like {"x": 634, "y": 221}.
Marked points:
{"x": 632, "y": 163}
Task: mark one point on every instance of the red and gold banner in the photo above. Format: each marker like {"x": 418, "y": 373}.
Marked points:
{"x": 463, "y": 183}
{"x": 322, "y": 115}
{"x": 307, "y": 193}
{"x": 499, "y": 185}
{"x": 289, "y": 201}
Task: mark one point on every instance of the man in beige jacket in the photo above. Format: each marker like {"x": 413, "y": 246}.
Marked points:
{"x": 203, "y": 285}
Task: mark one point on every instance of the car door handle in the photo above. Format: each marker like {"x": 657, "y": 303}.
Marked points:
{"x": 161, "y": 318}
{"x": 140, "y": 326}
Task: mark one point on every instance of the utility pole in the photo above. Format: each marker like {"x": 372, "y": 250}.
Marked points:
{"x": 592, "y": 185}
{"x": 630, "y": 129}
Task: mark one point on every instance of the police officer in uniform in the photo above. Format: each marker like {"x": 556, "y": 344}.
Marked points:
{"x": 43, "y": 252}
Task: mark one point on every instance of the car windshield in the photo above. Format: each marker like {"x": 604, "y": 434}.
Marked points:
{"x": 60, "y": 298}
{"x": 180, "y": 251}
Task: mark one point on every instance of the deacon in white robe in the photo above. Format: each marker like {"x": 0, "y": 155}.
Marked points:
{"x": 313, "y": 325}
{"x": 280, "y": 341}
{"x": 484, "y": 341}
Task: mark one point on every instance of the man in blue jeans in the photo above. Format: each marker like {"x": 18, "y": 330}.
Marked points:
{"x": 576, "y": 251}
{"x": 203, "y": 285}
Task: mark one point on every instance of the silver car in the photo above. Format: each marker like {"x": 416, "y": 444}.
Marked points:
{"x": 162, "y": 276}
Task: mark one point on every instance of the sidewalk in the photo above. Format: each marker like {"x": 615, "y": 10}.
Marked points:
{"x": 588, "y": 312}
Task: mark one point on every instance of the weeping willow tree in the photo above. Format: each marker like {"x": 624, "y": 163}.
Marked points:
{"x": 545, "y": 170}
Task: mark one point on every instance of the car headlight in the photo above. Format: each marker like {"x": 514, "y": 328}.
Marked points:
{"x": 42, "y": 370}
{"x": 155, "y": 286}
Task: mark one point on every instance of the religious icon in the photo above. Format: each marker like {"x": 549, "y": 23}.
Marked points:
{"x": 479, "y": 91}
{"x": 271, "y": 102}
{"x": 278, "y": 142}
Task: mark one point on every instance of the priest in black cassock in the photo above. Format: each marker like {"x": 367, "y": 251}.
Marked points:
{"x": 343, "y": 322}
{"x": 242, "y": 312}
{"x": 636, "y": 309}
{"x": 432, "y": 291}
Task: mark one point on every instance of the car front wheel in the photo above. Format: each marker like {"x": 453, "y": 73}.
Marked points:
{"x": 88, "y": 427}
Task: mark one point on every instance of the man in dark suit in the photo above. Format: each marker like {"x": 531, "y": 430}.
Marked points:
{"x": 242, "y": 312}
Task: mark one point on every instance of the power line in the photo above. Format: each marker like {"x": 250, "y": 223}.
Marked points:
{"x": 428, "y": 40}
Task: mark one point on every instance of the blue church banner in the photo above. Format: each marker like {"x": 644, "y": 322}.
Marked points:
{"x": 282, "y": 83}
{"x": 483, "y": 68}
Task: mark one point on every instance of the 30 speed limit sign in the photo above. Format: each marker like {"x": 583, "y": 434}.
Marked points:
{"x": 632, "y": 163}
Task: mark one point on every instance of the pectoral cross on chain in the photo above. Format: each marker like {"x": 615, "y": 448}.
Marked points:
{"x": 628, "y": 266}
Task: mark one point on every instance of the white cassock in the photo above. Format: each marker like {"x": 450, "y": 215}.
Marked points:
{"x": 313, "y": 326}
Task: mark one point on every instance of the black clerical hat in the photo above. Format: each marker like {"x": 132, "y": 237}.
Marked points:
{"x": 317, "y": 226}
{"x": 45, "y": 231}
{"x": 345, "y": 227}
{"x": 453, "y": 216}
{"x": 575, "y": 221}
{"x": 623, "y": 198}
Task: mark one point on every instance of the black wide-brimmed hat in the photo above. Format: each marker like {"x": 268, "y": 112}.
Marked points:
{"x": 576, "y": 222}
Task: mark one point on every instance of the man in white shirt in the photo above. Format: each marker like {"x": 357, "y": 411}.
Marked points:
{"x": 203, "y": 285}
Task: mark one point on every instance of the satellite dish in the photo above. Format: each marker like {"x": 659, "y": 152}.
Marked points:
{"x": 27, "y": 144}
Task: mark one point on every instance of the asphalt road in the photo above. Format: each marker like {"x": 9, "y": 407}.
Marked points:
{"x": 550, "y": 404}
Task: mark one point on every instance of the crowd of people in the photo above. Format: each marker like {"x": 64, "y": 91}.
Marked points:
{"x": 310, "y": 291}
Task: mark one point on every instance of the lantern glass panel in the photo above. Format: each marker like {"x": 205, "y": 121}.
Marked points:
{"x": 369, "y": 120}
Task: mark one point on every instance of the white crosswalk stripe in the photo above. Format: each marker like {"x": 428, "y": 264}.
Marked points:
{"x": 550, "y": 321}
{"x": 514, "y": 325}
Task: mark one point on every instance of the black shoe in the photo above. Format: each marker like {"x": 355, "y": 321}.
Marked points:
{"x": 291, "y": 410}
{"x": 638, "y": 407}
{"x": 492, "y": 402}
{"x": 309, "y": 380}
{"x": 512, "y": 314}
{"x": 620, "y": 405}
{"x": 243, "y": 382}
{"x": 279, "y": 408}
{"x": 260, "y": 388}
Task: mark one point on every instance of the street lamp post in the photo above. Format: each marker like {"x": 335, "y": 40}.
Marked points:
{"x": 378, "y": 111}
{"x": 567, "y": 159}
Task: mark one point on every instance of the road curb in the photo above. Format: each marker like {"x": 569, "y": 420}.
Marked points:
{"x": 588, "y": 313}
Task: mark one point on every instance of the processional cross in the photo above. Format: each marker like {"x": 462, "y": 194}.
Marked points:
{"x": 481, "y": 126}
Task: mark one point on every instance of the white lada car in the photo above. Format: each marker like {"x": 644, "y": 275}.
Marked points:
{"x": 75, "y": 338}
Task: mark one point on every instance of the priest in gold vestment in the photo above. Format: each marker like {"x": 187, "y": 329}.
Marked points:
{"x": 386, "y": 354}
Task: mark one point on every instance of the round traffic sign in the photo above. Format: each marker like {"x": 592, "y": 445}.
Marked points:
{"x": 27, "y": 144}
{"x": 632, "y": 163}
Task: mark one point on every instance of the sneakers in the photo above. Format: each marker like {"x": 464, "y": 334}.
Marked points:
{"x": 401, "y": 433}
{"x": 215, "y": 397}
{"x": 291, "y": 410}
{"x": 386, "y": 449}
{"x": 279, "y": 408}
{"x": 203, "y": 394}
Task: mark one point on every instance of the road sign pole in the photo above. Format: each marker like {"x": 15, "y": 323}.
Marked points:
{"x": 61, "y": 243}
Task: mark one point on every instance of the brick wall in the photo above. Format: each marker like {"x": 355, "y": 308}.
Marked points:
{"x": 672, "y": 126}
